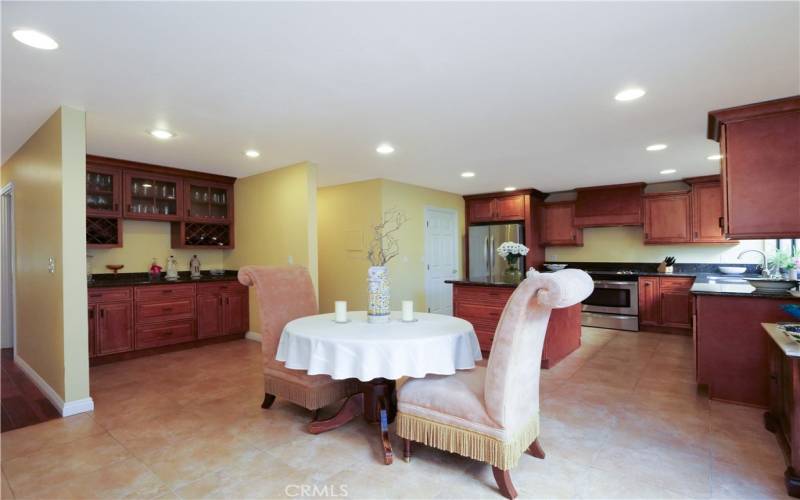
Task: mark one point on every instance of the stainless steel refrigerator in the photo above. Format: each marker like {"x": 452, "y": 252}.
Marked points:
{"x": 484, "y": 263}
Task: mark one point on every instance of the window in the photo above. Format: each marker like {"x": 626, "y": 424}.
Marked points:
{"x": 788, "y": 246}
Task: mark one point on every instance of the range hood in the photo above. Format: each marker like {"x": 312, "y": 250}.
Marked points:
{"x": 616, "y": 205}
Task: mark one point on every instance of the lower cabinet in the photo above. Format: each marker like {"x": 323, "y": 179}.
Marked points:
{"x": 483, "y": 305}
{"x": 126, "y": 319}
{"x": 665, "y": 301}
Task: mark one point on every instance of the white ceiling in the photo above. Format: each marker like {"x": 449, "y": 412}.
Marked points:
{"x": 520, "y": 93}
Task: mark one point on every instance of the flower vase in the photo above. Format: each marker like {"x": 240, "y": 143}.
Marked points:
{"x": 378, "y": 287}
{"x": 512, "y": 274}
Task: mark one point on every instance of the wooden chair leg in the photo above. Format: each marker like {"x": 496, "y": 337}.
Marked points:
{"x": 406, "y": 450}
{"x": 535, "y": 449}
{"x": 268, "y": 400}
{"x": 503, "y": 480}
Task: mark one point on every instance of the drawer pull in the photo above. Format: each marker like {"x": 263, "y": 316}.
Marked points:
{"x": 167, "y": 291}
{"x": 166, "y": 309}
{"x": 95, "y": 295}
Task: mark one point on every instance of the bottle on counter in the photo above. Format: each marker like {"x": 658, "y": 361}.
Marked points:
{"x": 172, "y": 268}
{"x": 194, "y": 267}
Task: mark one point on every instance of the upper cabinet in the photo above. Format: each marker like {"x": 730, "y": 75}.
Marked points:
{"x": 496, "y": 209}
{"x": 760, "y": 145}
{"x": 103, "y": 190}
{"x": 707, "y": 218}
{"x": 208, "y": 201}
{"x": 152, "y": 196}
{"x": 667, "y": 218}
{"x": 559, "y": 225}
{"x": 618, "y": 205}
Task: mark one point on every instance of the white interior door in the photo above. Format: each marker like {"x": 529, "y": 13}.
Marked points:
{"x": 7, "y": 311}
{"x": 441, "y": 258}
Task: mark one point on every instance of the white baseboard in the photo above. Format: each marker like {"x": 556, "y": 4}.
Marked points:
{"x": 65, "y": 409}
{"x": 255, "y": 336}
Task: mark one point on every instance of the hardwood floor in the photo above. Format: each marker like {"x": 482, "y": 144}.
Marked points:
{"x": 22, "y": 404}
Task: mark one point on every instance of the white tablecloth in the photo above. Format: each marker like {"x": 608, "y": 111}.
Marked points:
{"x": 435, "y": 344}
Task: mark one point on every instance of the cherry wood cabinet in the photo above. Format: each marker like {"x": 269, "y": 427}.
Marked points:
{"x": 124, "y": 319}
{"x": 114, "y": 329}
{"x": 667, "y": 218}
{"x": 223, "y": 309}
{"x": 150, "y": 196}
{"x": 483, "y": 305}
{"x": 649, "y": 304}
{"x": 665, "y": 301}
{"x": 707, "y": 217}
{"x": 103, "y": 190}
{"x": 616, "y": 205}
{"x": 497, "y": 209}
{"x": 559, "y": 225}
{"x": 208, "y": 201}
{"x": 760, "y": 144}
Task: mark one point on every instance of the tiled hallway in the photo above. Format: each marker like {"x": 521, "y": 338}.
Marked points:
{"x": 620, "y": 419}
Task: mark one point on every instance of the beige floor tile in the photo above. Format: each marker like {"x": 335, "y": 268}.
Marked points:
{"x": 57, "y": 464}
{"x": 664, "y": 430}
{"x": 28, "y": 440}
{"x": 600, "y": 484}
{"x": 5, "y": 489}
{"x": 746, "y": 481}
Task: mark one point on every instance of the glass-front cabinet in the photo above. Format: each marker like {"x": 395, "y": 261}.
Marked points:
{"x": 103, "y": 191}
{"x": 208, "y": 201}
{"x": 152, "y": 196}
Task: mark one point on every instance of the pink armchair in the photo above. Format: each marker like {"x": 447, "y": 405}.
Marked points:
{"x": 491, "y": 414}
{"x": 284, "y": 294}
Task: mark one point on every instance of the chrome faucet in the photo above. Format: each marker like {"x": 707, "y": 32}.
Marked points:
{"x": 764, "y": 267}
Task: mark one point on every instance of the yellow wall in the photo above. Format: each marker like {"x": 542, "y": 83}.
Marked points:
{"x": 48, "y": 172}
{"x": 143, "y": 240}
{"x": 346, "y": 215}
{"x": 407, "y": 270}
{"x": 625, "y": 244}
{"x": 276, "y": 218}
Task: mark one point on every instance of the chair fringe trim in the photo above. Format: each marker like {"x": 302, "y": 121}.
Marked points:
{"x": 311, "y": 398}
{"x": 502, "y": 454}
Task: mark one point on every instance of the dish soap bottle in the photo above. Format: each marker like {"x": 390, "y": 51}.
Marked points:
{"x": 172, "y": 268}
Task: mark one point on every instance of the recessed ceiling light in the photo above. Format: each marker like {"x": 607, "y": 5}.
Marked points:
{"x": 252, "y": 153}
{"x": 629, "y": 94}
{"x": 467, "y": 175}
{"x": 385, "y": 149}
{"x": 656, "y": 147}
{"x": 160, "y": 133}
{"x": 714, "y": 157}
{"x": 509, "y": 188}
{"x": 35, "y": 39}
{"x": 668, "y": 171}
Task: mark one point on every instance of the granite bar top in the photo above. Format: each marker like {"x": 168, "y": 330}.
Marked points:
{"x": 725, "y": 285}
{"x": 789, "y": 347}
{"x": 139, "y": 279}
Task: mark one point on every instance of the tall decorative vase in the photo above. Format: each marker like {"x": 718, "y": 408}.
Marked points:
{"x": 378, "y": 286}
{"x": 512, "y": 274}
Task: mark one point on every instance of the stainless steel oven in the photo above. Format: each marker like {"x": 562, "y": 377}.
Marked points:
{"x": 612, "y": 304}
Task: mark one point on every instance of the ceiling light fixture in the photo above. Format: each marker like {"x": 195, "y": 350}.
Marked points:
{"x": 668, "y": 171}
{"x": 509, "y": 188}
{"x": 160, "y": 133}
{"x": 467, "y": 175}
{"x": 656, "y": 147}
{"x": 629, "y": 94}
{"x": 252, "y": 153}
{"x": 714, "y": 157}
{"x": 35, "y": 39}
{"x": 385, "y": 149}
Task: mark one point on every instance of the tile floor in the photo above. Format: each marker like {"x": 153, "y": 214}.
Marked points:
{"x": 620, "y": 419}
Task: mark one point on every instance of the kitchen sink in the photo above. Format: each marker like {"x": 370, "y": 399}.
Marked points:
{"x": 771, "y": 285}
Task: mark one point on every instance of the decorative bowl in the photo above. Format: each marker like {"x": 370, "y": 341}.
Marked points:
{"x": 555, "y": 267}
{"x": 769, "y": 285}
{"x": 793, "y": 310}
{"x": 732, "y": 270}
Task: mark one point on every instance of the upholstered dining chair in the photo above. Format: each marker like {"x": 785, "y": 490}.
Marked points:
{"x": 491, "y": 413}
{"x": 285, "y": 293}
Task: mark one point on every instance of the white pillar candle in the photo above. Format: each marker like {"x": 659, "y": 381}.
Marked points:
{"x": 341, "y": 311}
{"x": 408, "y": 310}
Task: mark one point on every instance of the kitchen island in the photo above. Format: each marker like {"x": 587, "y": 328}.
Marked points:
{"x": 482, "y": 304}
{"x": 730, "y": 346}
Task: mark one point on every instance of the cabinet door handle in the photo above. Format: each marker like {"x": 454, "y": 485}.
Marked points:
{"x": 227, "y": 300}
{"x": 102, "y": 313}
{"x": 220, "y": 301}
{"x": 91, "y": 313}
{"x": 188, "y": 212}
{"x": 129, "y": 208}
{"x": 166, "y": 309}
{"x": 647, "y": 284}
{"x": 722, "y": 222}
{"x": 695, "y": 234}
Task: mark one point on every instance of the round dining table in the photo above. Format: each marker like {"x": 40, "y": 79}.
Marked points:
{"x": 377, "y": 354}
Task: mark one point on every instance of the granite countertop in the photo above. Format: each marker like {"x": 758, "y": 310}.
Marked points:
{"x": 139, "y": 279}
{"x": 789, "y": 347}
{"x": 717, "y": 285}
{"x": 482, "y": 283}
